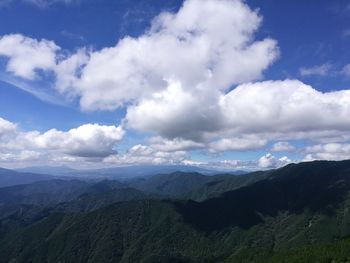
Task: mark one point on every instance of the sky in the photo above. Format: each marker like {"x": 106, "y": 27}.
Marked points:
{"x": 230, "y": 84}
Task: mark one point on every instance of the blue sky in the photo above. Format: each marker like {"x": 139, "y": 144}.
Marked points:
{"x": 229, "y": 83}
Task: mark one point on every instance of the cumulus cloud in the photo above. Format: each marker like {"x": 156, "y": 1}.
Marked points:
{"x": 174, "y": 145}
{"x": 143, "y": 154}
{"x": 269, "y": 161}
{"x": 283, "y": 147}
{"x": 285, "y": 107}
{"x": 19, "y": 157}
{"x": 228, "y": 165}
{"x": 26, "y": 55}
{"x": 265, "y": 110}
{"x": 68, "y": 70}
{"x": 329, "y": 151}
{"x": 191, "y": 81}
{"x": 212, "y": 48}
{"x": 88, "y": 140}
{"x": 320, "y": 70}
{"x": 243, "y": 143}
{"x": 176, "y": 113}
{"x": 7, "y": 128}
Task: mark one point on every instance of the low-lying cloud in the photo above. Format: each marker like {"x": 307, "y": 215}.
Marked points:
{"x": 88, "y": 140}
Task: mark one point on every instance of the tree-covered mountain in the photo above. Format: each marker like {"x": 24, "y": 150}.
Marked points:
{"x": 43, "y": 192}
{"x": 216, "y": 185}
{"x": 69, "y": 195}
{"x": 194, "y": 186}
{"x": 27, "y": 188}
{"x": 83, "y": 196}
{"x": 91, "y": 201}
{"x": 299, "y": 213}
{"x": 175, "y": 184}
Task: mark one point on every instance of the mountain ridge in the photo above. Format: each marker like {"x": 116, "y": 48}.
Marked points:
{"x": 291, "y": 215}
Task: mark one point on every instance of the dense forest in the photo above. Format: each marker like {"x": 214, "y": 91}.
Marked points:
{"x": 298, "y": 213}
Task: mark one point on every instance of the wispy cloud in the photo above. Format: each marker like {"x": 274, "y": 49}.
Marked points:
{"x": 46, "y": 3}
{"x": 40, "y": 94}
{"x": 346, "y": 70}
{"x": 318, "y": 70}
{"x": 39, "y": 3}
{"x": 73, "y": 36}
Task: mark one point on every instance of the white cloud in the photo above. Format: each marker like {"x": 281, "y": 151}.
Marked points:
{"x": 283, "y": 147}
{"x": 68, "y": 70}
{"x": 329, "y": 151}
{"x": 320, "y": 70}
{"x": 285, "y": 107}
{"x": 212, "y": 48}
{"x": 86, "y": 141}
{"x": 230, "y": 165}
{"x": 7, "y": 128}
{"x": 18, "y": 157}
{"x": 176, "y": 113}
{"x": 283, "y": 110}
{"x": 269, "y": 161}
{"x": 174, "y": 145}
{"x": 26, "y": 55}
{"x": 243, "y": 143}
{"x": 142, "y": 154}
{"x": 207, "y": 45}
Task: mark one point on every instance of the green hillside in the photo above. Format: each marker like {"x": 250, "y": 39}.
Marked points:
{"x": 299, "y": 213}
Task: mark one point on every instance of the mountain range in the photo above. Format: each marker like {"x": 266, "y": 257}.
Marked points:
{"x": 122, "y": 172}
{"x": 298, "y": 213}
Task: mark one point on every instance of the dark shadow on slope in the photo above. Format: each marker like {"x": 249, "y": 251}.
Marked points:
{"x": 318, "y": 186}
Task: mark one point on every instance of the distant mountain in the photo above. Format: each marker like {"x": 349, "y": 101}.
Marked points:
{"x": 87, "y": 195}
{"x": 71, "y": 192}
{"x": 10, "y": 177}
{"x": 175, "y": 184}
{"x": 43, "y": 192}
{"x": 147, "y": 170}
{"x": 122, "y": 172}
{"x": 69, "y": 195}
{"x": 52, "y": 170}
{"x": 299, "y": 213}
